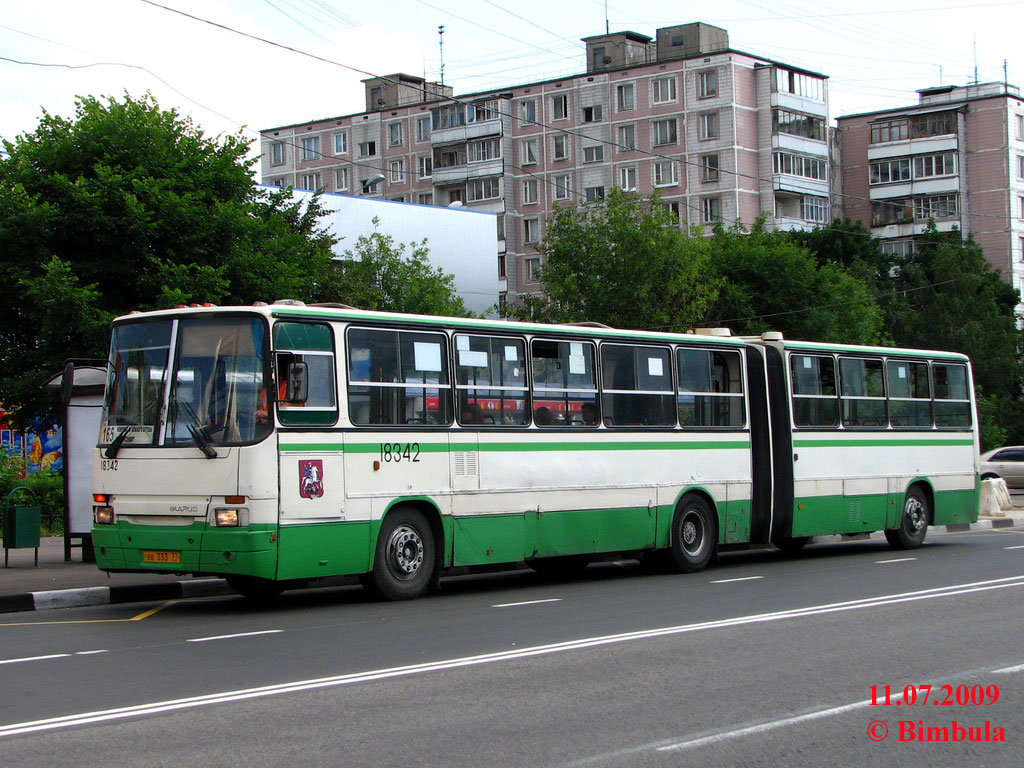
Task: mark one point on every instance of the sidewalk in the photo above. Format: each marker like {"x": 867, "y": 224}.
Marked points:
{"x": 56, "y": 583}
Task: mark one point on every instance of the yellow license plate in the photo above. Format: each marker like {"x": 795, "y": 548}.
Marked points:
{"x": 151, "y": 556}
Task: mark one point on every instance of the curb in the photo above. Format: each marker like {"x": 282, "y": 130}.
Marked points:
{"x": 178, "y": 590}
{"x": 136, "y": 593}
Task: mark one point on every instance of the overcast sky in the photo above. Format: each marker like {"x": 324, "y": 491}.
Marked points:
{"x": 876, "y": 52}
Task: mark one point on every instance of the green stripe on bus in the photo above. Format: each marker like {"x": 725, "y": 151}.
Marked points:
{"x": 696, "y": 445}
{"x": 879, "y": 443}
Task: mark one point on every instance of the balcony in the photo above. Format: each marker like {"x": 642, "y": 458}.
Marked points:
{"x": 460, "y": 174}
{"x": 464, "y": 133}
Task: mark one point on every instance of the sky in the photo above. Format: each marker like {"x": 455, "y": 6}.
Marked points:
{"x": 314, "y": 53}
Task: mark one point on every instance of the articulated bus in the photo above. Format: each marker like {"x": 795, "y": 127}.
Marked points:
{"x": 275, "y": 445}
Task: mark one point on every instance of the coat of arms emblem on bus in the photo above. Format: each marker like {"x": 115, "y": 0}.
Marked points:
{"x": 311, "y": 479}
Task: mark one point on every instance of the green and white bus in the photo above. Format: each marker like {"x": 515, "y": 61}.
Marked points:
{"x": 275, "y": 445}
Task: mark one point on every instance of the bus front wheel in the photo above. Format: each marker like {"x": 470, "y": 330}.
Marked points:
{"x": 913, "y": 522}
{"x": 404, "y": 561}
{"x": 693, "y": 535}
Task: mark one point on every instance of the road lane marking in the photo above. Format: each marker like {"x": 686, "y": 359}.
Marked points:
{"x": 35, "y": 658}
{"x": 376, "y": 675}
{"x": 151, "y": 611}
{"x": 1009, "y": 670}
{"x": 897, "y": 560}
{"x": 1017, "y": 546}
{"x": 231, "y": 637}
{"x": 140, "y": 617}
{"x": 528, "y": 602}
{"x": 741, "y": 578}
{"x": 89, "y": 653}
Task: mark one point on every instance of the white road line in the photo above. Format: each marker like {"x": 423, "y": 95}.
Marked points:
{"x": 528, "y": 602}
{"x": 89, "y": 653}
{"x": 1018, "y": 546}
{"x": 35, "y": 658}
{"x": 229, "y": 637}
{"x": 742, "y": 578}
{"x": 897, "y": 560}
{"x": 1009, "y": 670}
{"x": 192, "y": 702}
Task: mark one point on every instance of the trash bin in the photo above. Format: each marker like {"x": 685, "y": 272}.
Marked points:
{"x": 21, "y": 523}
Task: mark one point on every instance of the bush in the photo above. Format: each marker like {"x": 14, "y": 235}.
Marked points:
{"x": 47, "y": 486}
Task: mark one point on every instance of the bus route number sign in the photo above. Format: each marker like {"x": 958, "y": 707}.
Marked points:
{"x": 399, "y": 452}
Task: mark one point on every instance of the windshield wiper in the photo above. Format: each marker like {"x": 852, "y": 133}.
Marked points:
{"x": 118, "y": 441}
{"x": 199, "y": 434}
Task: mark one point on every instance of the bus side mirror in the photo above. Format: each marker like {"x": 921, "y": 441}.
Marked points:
{"x": 298, "y": 383}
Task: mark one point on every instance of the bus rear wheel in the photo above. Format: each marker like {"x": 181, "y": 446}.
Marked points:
{"x": 913, "y": 522}
{"x": 404, "y": 562}
{"x": 693, "y": 535}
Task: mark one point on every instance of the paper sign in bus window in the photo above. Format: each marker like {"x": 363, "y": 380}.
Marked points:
{"x": 472, "y": 359}
{"x": 427, "y": 356}
{"x": 511, "y": 354}
{"x": 654, "y": 366}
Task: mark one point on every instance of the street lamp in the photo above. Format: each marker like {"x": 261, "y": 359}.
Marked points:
{"x": 370, "y": 183}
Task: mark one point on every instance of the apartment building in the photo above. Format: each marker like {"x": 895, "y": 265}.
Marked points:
{"x": 721, "y": 135}
{"x": 956, "y": 157}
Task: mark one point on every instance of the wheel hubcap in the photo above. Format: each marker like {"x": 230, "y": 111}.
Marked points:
{"x": 914, "y": 514}
{"x": 405, "y": 551}
{"x": 692, "y": 533}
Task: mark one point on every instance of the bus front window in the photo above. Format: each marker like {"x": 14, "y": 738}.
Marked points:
{"x": 136, "y": 373}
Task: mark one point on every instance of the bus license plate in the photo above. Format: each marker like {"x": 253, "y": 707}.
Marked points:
{"x": 150, "y": 556}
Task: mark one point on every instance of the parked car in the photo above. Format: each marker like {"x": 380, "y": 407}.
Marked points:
{"x": 1006, "y": 462}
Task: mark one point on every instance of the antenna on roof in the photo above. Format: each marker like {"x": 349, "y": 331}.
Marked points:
{"x": 606, "y": 30}
{"x": 440, "y": 45}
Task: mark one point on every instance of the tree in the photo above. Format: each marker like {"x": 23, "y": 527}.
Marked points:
{"x": 849, "y": 244}
{"x": 623, "y": 262}
{"x": 770, "y": 282}
{"x": 127, "y": 206}
{"x": 377, "y": 274}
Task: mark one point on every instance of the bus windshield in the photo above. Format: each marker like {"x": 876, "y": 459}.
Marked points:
{"x": 217, "y": 392}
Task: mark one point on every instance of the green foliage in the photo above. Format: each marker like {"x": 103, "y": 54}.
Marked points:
{"x": 623, "y": 262}
{"x": 770, "y": 282}
{"x": 850, "y": 245}
{"x": 377, "y": 274}
{"x": 952, "y": 299}
{"x": 48, "y": 488}
{"x": 127, "y": 206}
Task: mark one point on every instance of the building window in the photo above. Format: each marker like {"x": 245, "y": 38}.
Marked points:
{"x": 896, "y": 211}
{"x": 1020, "y": 207}
{"x": 484, "y": 189}
{"x": 488, "y": 149}
{"x": 932, "y": 124}
{"x": 560, "y": 147}
{"x": 710, "y": 209}
{"x": 528, "y": 111}
{"x": 310, "y": 147}
{"x": 665, "y": 173}
{"x": 396, "y": 171}
{"x": 935, "y": 207}
{"x": 664, "y": 90}
{"x": 426, "y": 167}
{"x": 672, "y": 208}
{"x": 663, "y": 132}
{"x": 627, "y": 178}
{"x": 423, "y": 128}
{"x": 528, "y": 151}
{"x": 561, "y": 185}
{"x": 530, "y": 191}
{"x": 593, "y": 154}
{"x": 814, "y": 208}
{"x": 340, "y": 143}
{"x": 1020, "y": 167}
{"x": 394, "y": 134}
{"x": 341, "y": 179}
{"x": 889, "y": 171}
{"x": 708, "y": 125}
{"x": 595, "y": 194}
{"x": 800, "y": 165}
{"x": 531, "y": 231}
{"x": 707, "y": 84}
{"x": 926, "y": 166}
{"x": 368, "y": 188}
{"x": 499, "y": 221}
{"x": 592, "y": 114}
{"x": 797, "y": 124}
{"x": 425, "y": 198}
{"x": 532, "y": 267}
{"x": 279, "y": 183}
{"x": 456, "y": 195}
{"x": 277, "y": 155}
{"x": 1020, "y": 127}
{"x": 890, "y": 130}
{"x": 627, "y": 138}
{"x": 368, "y": 149}
{"x": 709, "y": 167}
{"x": 311, "y": 181}
{"x": 901, "y": 249}
{"x": 625, "y": 97}
{"x": 559, "y": 107}
{"x": 799, "y": 84}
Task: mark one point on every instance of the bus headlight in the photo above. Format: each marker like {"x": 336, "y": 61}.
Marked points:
{"x": 227, "y": 517}
{"x": 103, "y": 515}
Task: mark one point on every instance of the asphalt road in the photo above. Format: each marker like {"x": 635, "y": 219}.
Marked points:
{"x": 761, "y": 660}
